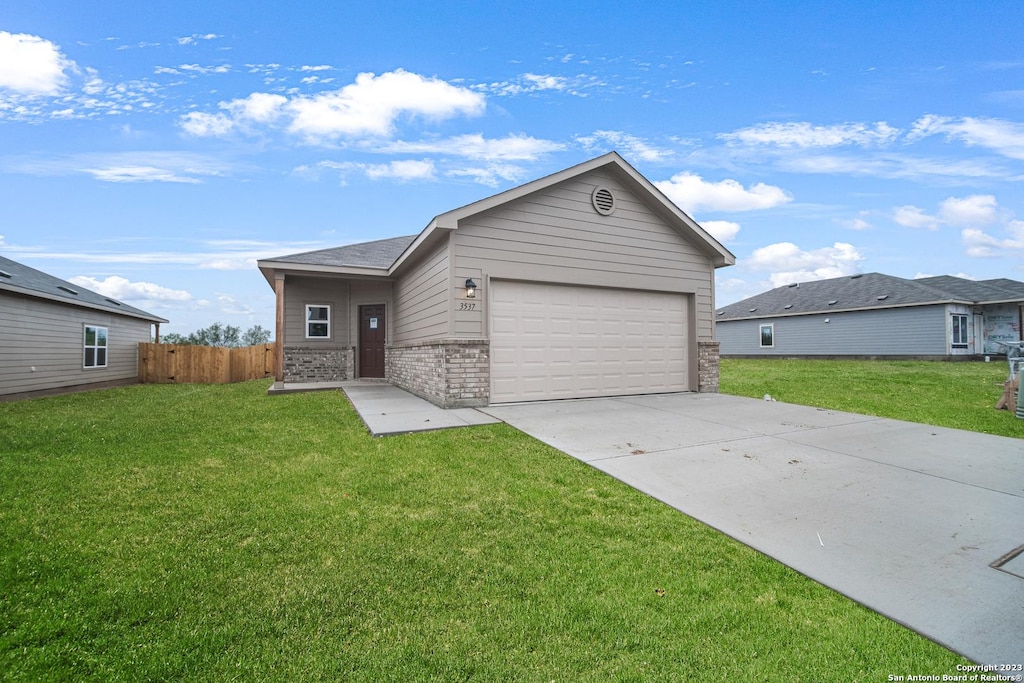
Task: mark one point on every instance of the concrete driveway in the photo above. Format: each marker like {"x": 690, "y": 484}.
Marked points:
{"x": 919, "y": 523}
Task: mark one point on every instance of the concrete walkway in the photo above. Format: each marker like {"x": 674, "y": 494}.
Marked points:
{"x": 907, "y": 519}
{"x": 386, "y": 410}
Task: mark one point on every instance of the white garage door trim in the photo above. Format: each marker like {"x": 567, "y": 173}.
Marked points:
{"x": 564, "y": 341}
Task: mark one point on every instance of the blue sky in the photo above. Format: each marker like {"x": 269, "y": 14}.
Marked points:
{"x": 154, "y": 153}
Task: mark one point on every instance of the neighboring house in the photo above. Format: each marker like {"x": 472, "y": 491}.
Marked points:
{"x": 876, "y": 315}
{"x": 588, "y": 282}
{"x": 54, "y": 334}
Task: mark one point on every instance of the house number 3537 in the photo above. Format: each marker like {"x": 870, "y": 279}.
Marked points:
{"x": 467, "y": 306}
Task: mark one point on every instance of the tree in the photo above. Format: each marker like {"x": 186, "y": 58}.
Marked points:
{"x": 220, "y": 335}
{"x": 255, "y": 335}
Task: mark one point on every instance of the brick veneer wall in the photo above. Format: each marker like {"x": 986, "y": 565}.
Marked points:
{"x": 450, "y": 373}
{"x": 312, "y": 364}
{"x": 707, "y": 366}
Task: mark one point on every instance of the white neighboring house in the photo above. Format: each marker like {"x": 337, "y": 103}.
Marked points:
{"x": 874, "y": 315}
{"x": 55, "y": 335}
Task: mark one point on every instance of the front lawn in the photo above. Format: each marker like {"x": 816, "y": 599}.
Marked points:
{"x": 216, "y": 533}
{"x": 958, "y": 395}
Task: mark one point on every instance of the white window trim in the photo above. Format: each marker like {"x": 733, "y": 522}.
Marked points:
{"x": 307, "y": 322}
{"x": 964, "y": 332}
{"x": 760, "y": 335}
{"x": 95, "y": 347}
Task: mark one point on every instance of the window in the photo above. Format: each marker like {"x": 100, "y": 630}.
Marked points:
{"x": 767, "y": 336}
{"x": 95, "y": 346}
{"x": 318, "y": 321}
{"x": 959, "y": 331}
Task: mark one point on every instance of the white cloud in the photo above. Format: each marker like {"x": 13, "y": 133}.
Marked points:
{"x": 230, "y": 305}
{"x": 528, "y": 83}
{"x": 981, "y": 244}
{"x": 320, "y": 67}
{"x": 892, "y": 166}
{"x": 806, "y": 135}
{"x": 476, "y": 146}
{"x": 203, "y": 70}
{"x": 544, "y": 82}
{"x": 404, "y": 170}
{"x": 973, "y": 211}
{"x": 1003, "y": 137}
{"x": 859, "y": 222}
{"x": 788, "y": 263}
{"x": 631, "y": 145}
{"x": 258, "y": 107}
{"x": 723, "y": 231}
{"x": 201, "y": 124}
{"x": 692, "y": 193}
{"x": 369, "y": 107}
{"x": 196, "y": 37}
{"x": 117, "y": 287}
{"x": 209, "y": 255}
{"x": 910, "y": 216}
{"x": 137, "y": 174}
{"x": 372, "y": 104}
{"x": 970, "y": 211}
{"x": 30, "y": 65}
{"x": 491, "y": 175}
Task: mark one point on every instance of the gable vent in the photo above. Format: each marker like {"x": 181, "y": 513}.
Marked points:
{"x": 603, "y": 200}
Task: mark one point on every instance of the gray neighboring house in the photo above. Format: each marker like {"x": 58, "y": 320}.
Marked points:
{"x": 588, "y": 282}
{"x": 55, "y": 335}
{"x": 876, "y": 315}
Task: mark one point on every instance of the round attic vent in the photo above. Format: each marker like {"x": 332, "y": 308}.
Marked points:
{"x": 604, "y": 200}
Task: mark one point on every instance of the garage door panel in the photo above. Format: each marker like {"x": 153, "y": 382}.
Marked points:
{"x": 559, "y": 341}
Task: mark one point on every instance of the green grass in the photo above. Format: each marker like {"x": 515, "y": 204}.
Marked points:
{"x": 958, "y": 395}
{"x": 217, "y": 533}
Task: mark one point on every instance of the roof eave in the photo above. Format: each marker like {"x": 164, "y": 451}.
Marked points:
{"x": 142, "y": 315}
{"x": 269, "y": 267}
{"x": 821, "y": 311}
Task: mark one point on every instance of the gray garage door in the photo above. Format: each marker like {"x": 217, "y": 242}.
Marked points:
{"x": 559, "y": 341}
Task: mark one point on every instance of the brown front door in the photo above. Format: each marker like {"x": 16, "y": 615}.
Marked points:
{"x": 371, "y": 341}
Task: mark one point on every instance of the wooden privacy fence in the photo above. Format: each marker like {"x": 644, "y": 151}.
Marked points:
{"x": 183, "y": 364}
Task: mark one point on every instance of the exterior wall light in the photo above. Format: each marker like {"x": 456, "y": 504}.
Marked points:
{"x": 470, "y": 288}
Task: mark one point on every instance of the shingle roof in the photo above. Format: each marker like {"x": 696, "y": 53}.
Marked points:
{"x": 17, "y": 277}
{"x": 376, "y": 254}
{"x": 870, "y": 290}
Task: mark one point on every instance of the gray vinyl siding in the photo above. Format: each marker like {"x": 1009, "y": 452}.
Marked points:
{"x": 556, "y": 236}
{"x": 421, "y": 299}
{"x": 914, "y": 331}
{"x": 300, "y": 291}
{"x": 49, "y": 337}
